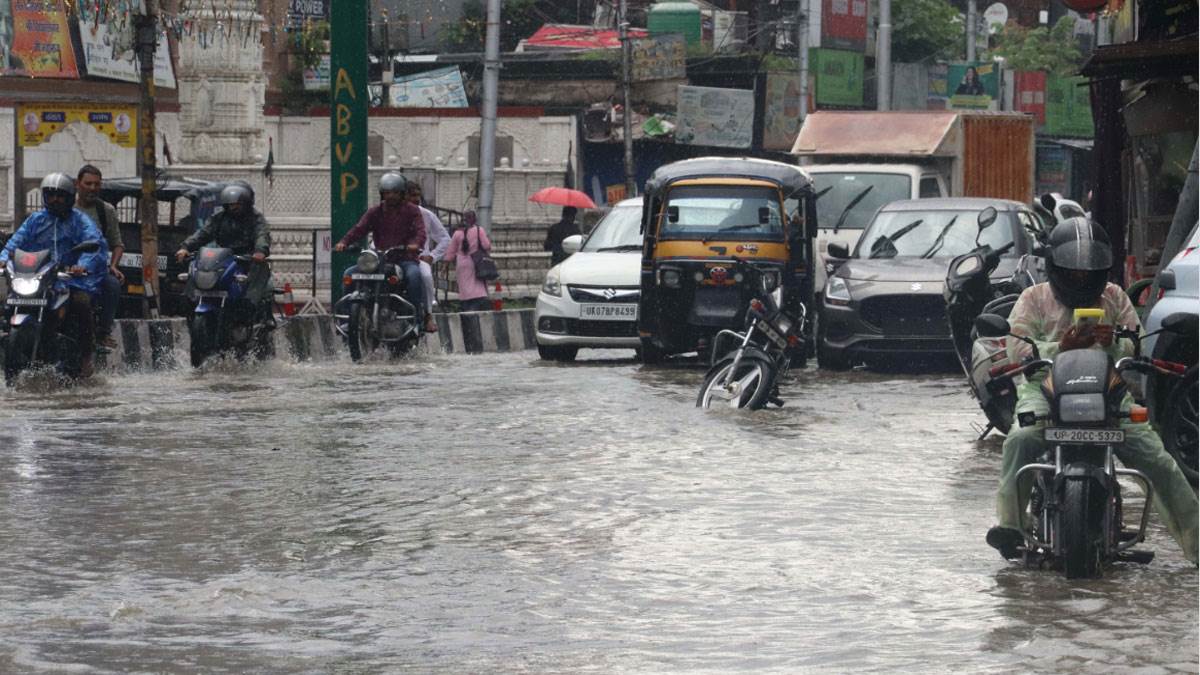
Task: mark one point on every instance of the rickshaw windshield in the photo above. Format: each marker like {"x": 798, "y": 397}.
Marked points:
{"x": 713, "y": 211}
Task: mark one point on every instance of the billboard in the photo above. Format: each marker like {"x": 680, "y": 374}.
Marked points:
{"x": 109, "y": 50}
{"x": 839, "y": 77}
{"x": 37, "y": 122}
{"x": 715, "y": 116}
{"x": 41, "y": 40}
{"x": 441, "y": 88}
{"x": 1068, "y": 107}
{"x": 662, "y": 57}
{"x": 1029, "y": 95}
{"x": 302, "y": 12}
{"x": 781, "y": 111}
{"x": 844, "y": 24}
{"x": 972, "y": 85}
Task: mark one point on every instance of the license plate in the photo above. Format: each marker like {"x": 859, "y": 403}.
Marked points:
{"x": 608, "y": 312}
{"x": 136, "y": 289}
{"x": 27, "y": 302}
{"x": 214, "y": 295}
{"x": 1105, "y": 436}
{"x": 367, "y": 277}
{"x": 771, "y": 333}
{"x": 135, "y": 260}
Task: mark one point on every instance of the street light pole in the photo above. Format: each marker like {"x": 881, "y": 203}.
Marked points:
{"x": 972, "y": 18}
{"x": 147, "y": 36}
{"x": 802, "y": 56}
{"x": 627, "y": 112}
{"x": 883, "y": 57}
{"x": 487, "y": 127}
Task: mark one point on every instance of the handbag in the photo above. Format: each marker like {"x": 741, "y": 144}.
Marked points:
{"x": 485, "y": 266}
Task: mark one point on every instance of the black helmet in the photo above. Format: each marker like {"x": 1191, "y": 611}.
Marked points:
{"x": 392, "y": 182}
{"x": 59, "y": 183}
{"x": 237, "y": 193}
{"x": 1078, "y": 245}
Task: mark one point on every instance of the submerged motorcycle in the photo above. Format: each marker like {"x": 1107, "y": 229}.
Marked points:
{"x": 374, "y": 311}
{"x": 36, "y": 335}
{"x": 224, "y": 320}
{"x": 747, "y": 366}
{"x": 970, "y": 291}
{"x": 1076, "y": 506}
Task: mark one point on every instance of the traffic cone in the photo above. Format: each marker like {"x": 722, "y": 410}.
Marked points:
{"x": 289, "y": 303}
{"x": 497, "y": 302}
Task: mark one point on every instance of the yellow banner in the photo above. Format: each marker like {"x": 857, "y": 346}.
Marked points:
{"x": 39, "y": 121}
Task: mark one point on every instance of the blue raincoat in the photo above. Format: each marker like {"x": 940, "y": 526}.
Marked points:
{"x": 43, "y": 230}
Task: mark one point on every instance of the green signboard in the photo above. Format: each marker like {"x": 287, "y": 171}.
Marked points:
{"x": 347, "y": 126}
{"x": 1068, "y": 107}
{"x": 839, "y": 76}
{"x": 972, "y": 85}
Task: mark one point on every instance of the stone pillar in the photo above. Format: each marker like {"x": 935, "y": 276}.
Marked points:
{"x": 222, "y": 85}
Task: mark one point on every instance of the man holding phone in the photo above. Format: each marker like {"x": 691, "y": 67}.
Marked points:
{"x": 1077, "y": 267}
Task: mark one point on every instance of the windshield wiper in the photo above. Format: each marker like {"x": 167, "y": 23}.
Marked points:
{"x": 941, "y": 239}
{"x": 890, "y": 240}
{"x": 821, "y": 193}
{"x": 622, "y": 247}
{"x": 731, "y": 228}
{"x": 853, "y": 203}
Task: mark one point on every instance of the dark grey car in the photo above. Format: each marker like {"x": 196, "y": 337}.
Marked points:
{"x": 885, "y": 302}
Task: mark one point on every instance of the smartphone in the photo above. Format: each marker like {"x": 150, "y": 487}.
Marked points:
{"x": 1087, "y": 318}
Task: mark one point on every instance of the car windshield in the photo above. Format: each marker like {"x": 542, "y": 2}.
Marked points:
{"x": 712, "y": 211}
{"x": 853, "y": 198}
{"x": 617, "y": 231}
{"x": 930, "y": 234}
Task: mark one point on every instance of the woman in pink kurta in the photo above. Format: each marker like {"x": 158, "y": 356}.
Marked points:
{"x": 472, "y": 292}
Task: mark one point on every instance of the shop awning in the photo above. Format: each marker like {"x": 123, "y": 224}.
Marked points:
{"x": 556, "y": 36}
{"x": 1144, "y": 60}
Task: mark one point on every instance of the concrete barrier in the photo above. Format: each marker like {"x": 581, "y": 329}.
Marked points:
{"x": 164, "y": 343}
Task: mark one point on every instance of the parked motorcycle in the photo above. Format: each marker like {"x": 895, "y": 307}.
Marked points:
{"x": 35, "y": 333}
{"x": 747, "y": 366}
{"x": 224, "y": 320}
{"x": 969, "y": 292}
{"x": 1076, "y": 503}
{"x": 374, "y": 311}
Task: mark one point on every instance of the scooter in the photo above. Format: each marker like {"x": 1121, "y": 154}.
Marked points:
{"x": 971, "y": 291}
{"x": 36, "y": 335}
{"x": 224, "y": 320}
{"x": 374, "y": 312}
{"x": 747, "y": 366}
{"x": 1076, "y": 504}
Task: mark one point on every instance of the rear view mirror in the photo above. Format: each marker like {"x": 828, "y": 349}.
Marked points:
{"x": 572, "y": 244}
{"x": 991, "y": 325}
{"x": 764, "y": 215}
{"x": 1166, "y": 280}
{"x": 837, "y": 250}
{"x": 673, "y": 214}
{"x": 986, "y": 217}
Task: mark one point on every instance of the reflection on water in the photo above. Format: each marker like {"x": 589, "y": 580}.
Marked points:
{"x": 494, "y": 513}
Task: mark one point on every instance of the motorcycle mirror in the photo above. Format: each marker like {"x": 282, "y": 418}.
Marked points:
{"x": 1181, "y": 323}
{"x": 1166, "y": 280}
{"x": 837, "y": 250}
{"x": 86, "y": 247}
{"x": 991, "y": 325}
{"x": 986, "y": 217}
{"x": 1048, "y": 202}
{"x": 673, "y": 214}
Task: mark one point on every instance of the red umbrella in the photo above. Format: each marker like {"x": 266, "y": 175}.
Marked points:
{"x": 563, "y": 197}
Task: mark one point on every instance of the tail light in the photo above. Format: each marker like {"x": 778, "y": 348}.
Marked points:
{"x": 793, "y": 341}
{"x": 394, "y": 280}
{"x": 1139, "y": 414}
{"x": 757, "y": 306}
{"x": 347, "y": 281}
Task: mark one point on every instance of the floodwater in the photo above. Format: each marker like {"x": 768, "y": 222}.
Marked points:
{"x": 494, "y": 513}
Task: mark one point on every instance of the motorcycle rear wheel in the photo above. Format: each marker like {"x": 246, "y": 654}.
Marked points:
{"x": 359, "y": 333}
{"x": 18, "y": 353}
{"x": 1081, "y": 531}
{"x": 749, "y": 388}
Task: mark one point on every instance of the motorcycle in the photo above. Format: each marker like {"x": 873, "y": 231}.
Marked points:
{"x": 747, "y": 366}
{"x": 374, "y": 312}
{"x": 34, "y": 299}
{"x": 224, "y": 320}
{"x": 1076, "y": 503}
{"x": 970, "y": 292}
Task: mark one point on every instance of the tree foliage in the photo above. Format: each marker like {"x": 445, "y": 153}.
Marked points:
{"x": 519, "y": 20}
{"x": 1053, "y": 50}
{"x": 926, "y": 30}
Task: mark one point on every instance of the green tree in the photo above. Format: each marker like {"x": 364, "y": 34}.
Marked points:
{"x": 518, "y": 20}
{"x": 925, "y": 30}
{"x": 1053, "y": 50}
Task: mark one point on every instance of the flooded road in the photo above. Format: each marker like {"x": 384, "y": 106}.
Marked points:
{"x": 497, "y": 514}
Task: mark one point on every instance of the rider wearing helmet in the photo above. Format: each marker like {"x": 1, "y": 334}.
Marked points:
{"x": 1079, "y": 259}
{"x": 396, "y": 222}
{"x": 240, "y": 227}
{"x": 58, "y": 228}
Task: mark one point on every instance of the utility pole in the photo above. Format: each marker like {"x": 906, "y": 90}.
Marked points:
{"x": 626, "y": 110}
{"x": 883, "y": 57}
{"x": 802, "y": 46}
{"x": 487, "y": 127}
{"x": 972, "y": 18}
{"x": 147, "y": 37}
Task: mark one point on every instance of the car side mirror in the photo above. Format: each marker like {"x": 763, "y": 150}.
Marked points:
{"x": 991, "y": 325}
{"x": 837, "y": 250}
{"x": 986, "y": 217}
{"x": 673, "y": 214}
{"x": 572, "y": 244}
{"x": 86, "y": 247}
{"x": 1166, "y": 280}
{"x": 1048, "y": 202}
{"x": 764, "y": 215}
{"x": 1181, "y": 323}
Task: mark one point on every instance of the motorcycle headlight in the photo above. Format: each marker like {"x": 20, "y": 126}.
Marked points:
{"x": 770, "y": 281}
{"x": 837, "y": 293}
{"x": 551, "y": 285}
{"x": 25, "y": 286}
{"x": 368, "y": 262}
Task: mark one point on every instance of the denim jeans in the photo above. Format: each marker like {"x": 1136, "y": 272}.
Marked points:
{"x": 415, "y": 291}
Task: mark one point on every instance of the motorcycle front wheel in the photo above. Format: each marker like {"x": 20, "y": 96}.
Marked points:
{"x": 1080, "y": 530}
{"x": 18, "y": 353}
{"x": 202, "y": 334}
{"x": 748, "y": 388}
{"x": 360, "y": 333}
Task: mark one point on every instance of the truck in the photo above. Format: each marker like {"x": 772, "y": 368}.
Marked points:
{"x": 861, "y": 160}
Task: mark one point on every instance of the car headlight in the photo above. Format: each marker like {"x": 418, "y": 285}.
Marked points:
{"x": 551, "y": 285}
{"x": 770, "y": 281}
{"x": 368, "y": 262}
{"x": 669, "y": 278}
{"x": 25, "y": 286}
{"x": 837, "y": 293}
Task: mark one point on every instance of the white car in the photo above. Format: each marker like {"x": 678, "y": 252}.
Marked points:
{"x": 591, "y": 298}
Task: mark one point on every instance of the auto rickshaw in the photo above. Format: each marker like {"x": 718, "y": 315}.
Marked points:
{"x": 181, "y": 220}
{"x": 698, "y": 216}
